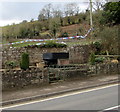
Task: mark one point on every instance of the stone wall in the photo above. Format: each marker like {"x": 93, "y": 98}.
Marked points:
{"x": 86, "y": 70}
{"x": 20, "y": 78}
{"x": 35, "y": 54}
{"x": 109, "y": 68}
{"x": 79, "y": 54}
{"x": 36, "y": 76}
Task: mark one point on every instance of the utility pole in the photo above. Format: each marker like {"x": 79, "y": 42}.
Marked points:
{"x": 91, "y": 23}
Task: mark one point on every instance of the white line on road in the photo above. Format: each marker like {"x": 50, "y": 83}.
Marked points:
{"x": 69, "y": 94}
{"x": 111, "y": 108}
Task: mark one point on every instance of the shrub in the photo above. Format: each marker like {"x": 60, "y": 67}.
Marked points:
{"x": 65, "y": 34}
{"x": 110, "y": 39}
{"x": 24, "y": 64}
{"x": 92, "y": 59}
{"x": 98, "y": 47}
{"x": 11, "y": 64}
{"x": 60, "y": 45}
{"x": 103, "y": 53}
{"x": 99, "y": 59}
{"x": 51, "y": 44}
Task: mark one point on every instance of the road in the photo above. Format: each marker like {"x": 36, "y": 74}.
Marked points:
{"x": 100, "y": 98}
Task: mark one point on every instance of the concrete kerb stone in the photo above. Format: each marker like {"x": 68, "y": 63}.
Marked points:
{"x": 57, "y": 93}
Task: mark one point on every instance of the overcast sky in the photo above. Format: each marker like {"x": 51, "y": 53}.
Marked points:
{"x": 15, "y": 11}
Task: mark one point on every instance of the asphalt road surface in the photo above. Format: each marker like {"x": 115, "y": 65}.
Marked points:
{"x": 95, "y": 99}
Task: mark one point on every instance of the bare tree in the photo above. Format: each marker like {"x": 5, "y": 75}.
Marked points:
{"x": 46, "y": 12}
{"x": 98, "y": 5}
{"x": 112, "y": 0}
{"x": 71, "y": 9}
{"x": 42, "y": 15}
{"x": 48, "y": 9}
{"x": 57, "y": 11}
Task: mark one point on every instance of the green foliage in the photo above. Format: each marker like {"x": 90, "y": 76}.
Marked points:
{"x": 110, "y": 39}
{"x": 10, "y": 64}
{"x": 51, "y": 44}
{"x": 92, "y": 59}
{"x": 65, "y": 34}
{"x": 98, "y": 47}
{"x": 98, "y": 18}
{"x": 34, "y": 29}
{"x": 99, "y": 59}
{"x": 24, "y": 64}
{"x": 112, "y": 12}
{"x": 82, "y": 17}
{"x": 54, "y": 26}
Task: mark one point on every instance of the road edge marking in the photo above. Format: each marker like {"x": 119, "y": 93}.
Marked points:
{"x": 61, "y": 96}
{"x": 110, "y": 108}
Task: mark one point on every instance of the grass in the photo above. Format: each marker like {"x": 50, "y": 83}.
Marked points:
{"x": 10, "y": 41}
{"x": 81, "y": 42}
{"x": 24, "y": 44}
{"x": 69, "y": 43}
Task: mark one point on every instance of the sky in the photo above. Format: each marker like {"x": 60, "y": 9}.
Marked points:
{"x": 15, "y": 11}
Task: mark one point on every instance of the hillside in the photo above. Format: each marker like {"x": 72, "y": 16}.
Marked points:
{"x": 50, "y": 28}
{"x": 72, "y": 30}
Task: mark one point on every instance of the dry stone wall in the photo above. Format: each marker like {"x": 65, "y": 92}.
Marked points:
{"x": 79, "y": 54}
{"x": 87, "y": 70}
{"x": 35, "y": 54}
{"x": 20, "y": 78}
{"x": 35, "y": 76}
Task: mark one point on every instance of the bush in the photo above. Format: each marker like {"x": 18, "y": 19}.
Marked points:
{"x": 99, "y": 59}
{"x": 24, "y": 64}
{"x": 11, "y": 64}
{"x": 51, "y": 44}
{"x": 103, "y": 53}
{"x": 59, "y": 45}
{"x": 65, "y": 34}
{"x": 110, "y": 40}
{"x": 92, "y": 59}
{"x": 98, "y": 47}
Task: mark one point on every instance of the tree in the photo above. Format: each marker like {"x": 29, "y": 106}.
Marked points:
{"x": 98, "y": 5}
{"x": 111, "y": 13}
{"x": 71, "y": 9}
{"x": 69, "y": 20}
{"x": 110, "y": 39}
{"x": 54, "y": 26}
{"x": 111, "y": 0}
{"x": 42, "y": 15}
{"x": 56, "y": 12}
{"x": 48, "y": 9}
{"x": 24, "y": 21}
{"x": 61, "y": 21}
{"x": 46, "y": 12}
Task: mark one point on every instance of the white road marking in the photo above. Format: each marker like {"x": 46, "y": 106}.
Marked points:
{"x": 69, "y": 94}
{"x": 111, "y": 108}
